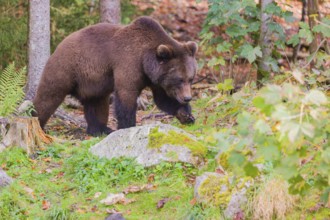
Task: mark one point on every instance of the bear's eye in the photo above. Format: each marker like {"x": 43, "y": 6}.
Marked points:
{"x": 190, "y": 81}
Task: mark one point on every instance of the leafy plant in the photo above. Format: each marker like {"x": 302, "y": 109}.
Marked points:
{"x": 288, "y": 128}
{"x": 232, "y": 29}
{"x": 11, "y": 89}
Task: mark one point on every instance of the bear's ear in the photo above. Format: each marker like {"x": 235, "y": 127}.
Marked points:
{"x": 192, "y": 47}
{"x": 164, "y": 52}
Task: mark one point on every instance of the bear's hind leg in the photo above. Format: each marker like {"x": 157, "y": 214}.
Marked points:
{"x": 96, "y": 114}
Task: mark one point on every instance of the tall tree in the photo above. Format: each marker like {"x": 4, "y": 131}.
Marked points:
{"x": 265, "y": 41}
{"x": 39, "y": 43}
{"x": 110, "y": 11}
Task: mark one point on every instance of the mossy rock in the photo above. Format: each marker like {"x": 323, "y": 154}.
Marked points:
{"x": 152, "y": 144}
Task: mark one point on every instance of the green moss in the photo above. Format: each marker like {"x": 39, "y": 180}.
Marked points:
{"x": 158, "y": 139}
{"x": 216, "y": 190}
{"x": 222, "y": 159}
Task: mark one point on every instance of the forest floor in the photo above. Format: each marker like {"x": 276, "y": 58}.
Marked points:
{"x": 63, "y": 181}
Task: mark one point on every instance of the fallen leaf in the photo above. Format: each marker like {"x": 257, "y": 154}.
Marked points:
{"x": 151, "y": 178}
{"x": 45, "y": 205}
{"x": 219, "y": 170}
{"x": 81, "y": 211}
{"x": 97, "y": 195}
{"x": 112, "y": 211}
{"x": 177, "y": 197}
{"x": 94, "y": 208}
{"x": 117, "y": 198}
{"x": 48, "y": 170}
{"x": 298, "y": 75}
{"x": 29, "y": 191}
{"x": 47, "y": 159}
{"x": 193, "y": 201}
{"x": 60, "y": 175}
{"x": 135, "y": 189}
{"x": 162, "y": 202}
{"x": 113, "y": 198}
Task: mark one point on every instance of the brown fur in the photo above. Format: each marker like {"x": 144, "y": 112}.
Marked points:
{"x": 100, "y": 59}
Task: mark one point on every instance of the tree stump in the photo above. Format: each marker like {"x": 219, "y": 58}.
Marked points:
{"x": 24, "y": 132}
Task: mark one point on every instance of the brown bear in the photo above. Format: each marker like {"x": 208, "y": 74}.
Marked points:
{"x": 101, "y": 59}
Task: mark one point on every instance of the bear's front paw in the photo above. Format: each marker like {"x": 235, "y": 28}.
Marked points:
{"x": 185, "y": 117}
{"x": 98, "y": 131}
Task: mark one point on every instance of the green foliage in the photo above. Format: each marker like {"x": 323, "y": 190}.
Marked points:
{"x": 11, "y": 89}
{"x": 288, "y": 128}
{"x": 240, "y": 21}
{"x": 14, "y": 32}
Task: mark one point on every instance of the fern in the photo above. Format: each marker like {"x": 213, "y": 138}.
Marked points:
{"x": 11, "y": 89}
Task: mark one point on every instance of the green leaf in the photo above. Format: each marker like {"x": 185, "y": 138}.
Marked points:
{"x": 288, "y": 16}
{"x": 294, "y": 40}
{"x": 235, "y": 31}
{"x": 321, "y": 28}
{"x": 303, "y": 25}
{"x": 224, "y": 47}
{"x": 251, "y": 53}
{"x": 307, "y": 129}
{"x": 244, "y": 121}
{"x": 298, "y": 185}
{"x": 251, "y": 170}
{"x": 269, "y": 153}
{"x": 262, "y": 127}
{"x": 271, "y": 94}
{"x": 306, "y": 34}
{"x": 216, "y": 61}
{"x": 315, "y": 97}
{"x": 326, "y": 155}
{"x": 236, "y": 158}
{"x": 294, "y": 133}
{"x": 227, "y": 85}
{"x": 273, "y": 9}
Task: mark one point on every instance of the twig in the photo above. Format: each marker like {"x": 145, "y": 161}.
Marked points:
{"x": 318, "y": 48}
{"x": 60, "y": 113}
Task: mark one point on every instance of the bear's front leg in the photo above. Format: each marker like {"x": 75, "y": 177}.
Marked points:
{"x": 171, "y": 106}
{"x": 125, "y": 108}
{"x": 184, "y": 115}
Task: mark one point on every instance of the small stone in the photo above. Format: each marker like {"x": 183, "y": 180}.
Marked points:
{"x": 4, "y": 179}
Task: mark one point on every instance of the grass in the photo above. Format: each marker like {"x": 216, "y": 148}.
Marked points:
{"x": 61, "y": 181}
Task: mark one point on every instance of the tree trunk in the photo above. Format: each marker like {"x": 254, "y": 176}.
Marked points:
{"x": 24, "y": 132}
{"x": 296, "y": 49}
{"x": 39, "y": 43}
{"x": 264, "y": 42}
{"x": 313, "y": 16}
{"x": 110, "y": 11}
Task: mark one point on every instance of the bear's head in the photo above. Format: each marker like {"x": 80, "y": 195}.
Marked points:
{"x": 173, "y": 68}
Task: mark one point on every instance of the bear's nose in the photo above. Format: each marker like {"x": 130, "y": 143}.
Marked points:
{"x": 187, "y": 98}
